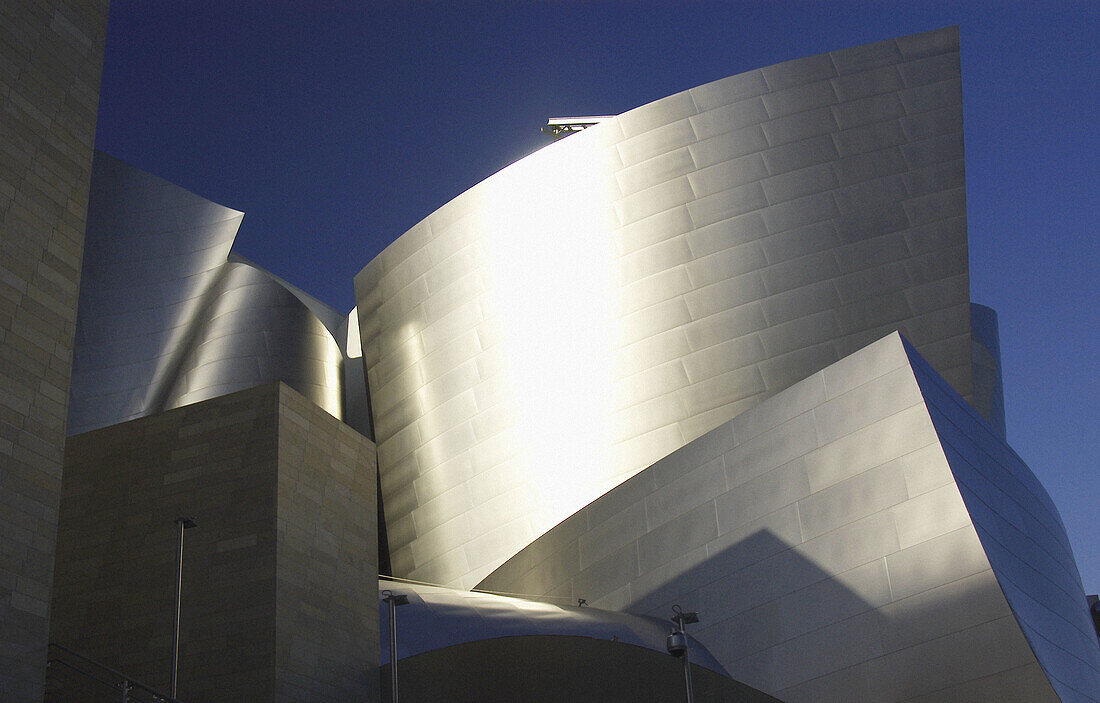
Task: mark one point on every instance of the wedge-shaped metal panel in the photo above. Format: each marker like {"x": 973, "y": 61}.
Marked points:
{"x": 869, "y": 537}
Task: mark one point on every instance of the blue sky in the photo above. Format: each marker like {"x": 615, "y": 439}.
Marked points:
{"x": 336, "y": 126}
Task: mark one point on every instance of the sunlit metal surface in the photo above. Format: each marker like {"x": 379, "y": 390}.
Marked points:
{"x": 436, "y": 617}
{"x": 168, "y": 316}
{"x": 600, "y": 303}
{"x": 863, "y": 535}
{"x": 253, "y": 331}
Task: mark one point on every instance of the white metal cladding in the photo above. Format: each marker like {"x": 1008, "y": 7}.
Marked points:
{"x": 596, "y": 305}
{"x": 166, "y": 319}
{"x": 862, "y": 535}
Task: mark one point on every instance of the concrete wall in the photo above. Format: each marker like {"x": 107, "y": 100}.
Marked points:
{"x": 279, "y": 590}
{"x": 631, "y": 287}
{"x": 51, "y": 55}
{"x": 826, "y": 540}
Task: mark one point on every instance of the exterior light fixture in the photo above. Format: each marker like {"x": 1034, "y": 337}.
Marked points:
{"x": 559, "y": 127}
{"x": 394, "y": 600}
{"x": 677, "y": 643}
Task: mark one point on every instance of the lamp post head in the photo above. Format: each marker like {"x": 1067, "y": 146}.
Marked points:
{"x": 187, "y": 522}
{"x": 395, "y": 599}
{"x": 676, "y": 643}
{"x": 682, "y": 618}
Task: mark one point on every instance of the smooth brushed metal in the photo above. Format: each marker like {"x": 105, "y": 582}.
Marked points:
{"x": 169, "y": 315}
{"x": 600, "y": 303}
{"x": 862, "y": 535}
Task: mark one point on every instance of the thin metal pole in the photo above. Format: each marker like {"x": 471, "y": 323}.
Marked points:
{"x": 682, "y": 621}
{"x": 183, "y": 523}
{"x": 393, "y": 648}
{"x": 687, "y": 671}
{"x": 179, "y": 590}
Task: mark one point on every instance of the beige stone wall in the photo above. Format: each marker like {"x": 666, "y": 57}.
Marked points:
{"x": 51, "y": 55}
{"x": 326, "y": 645}
{"x": 279, "y": 576}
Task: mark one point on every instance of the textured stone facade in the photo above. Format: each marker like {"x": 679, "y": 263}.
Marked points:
{"x": 278, "y": 594}
{"x": 51, "y": 55}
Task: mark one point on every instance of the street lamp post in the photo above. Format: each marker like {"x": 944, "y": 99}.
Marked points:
{"x": 677, "y": 644}
{"x": 394, "y": 600}
{"x": 182, "y": 523}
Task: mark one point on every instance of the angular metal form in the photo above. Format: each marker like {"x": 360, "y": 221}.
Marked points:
{"x": 168, "y": 316}
{"x": 863, "y": 535}
{"x": 600, "y": 303}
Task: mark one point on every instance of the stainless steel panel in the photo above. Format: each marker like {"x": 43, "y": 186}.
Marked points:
{"x": 664, "y": 542}
{"x": 726, "y": 204}
{"x": 874, "y": 108}
{"x": 729, "y": 90}
{"x": 652, "y": 230}
{"x": 800, "y": 126}
{"x": 796, "y": 184}
{"x": 796, "y": 155}
{"x": 866, "y": 57}
{"x": 687, "y": 491}
{"x": 729, "y": 117}
{"x": 850, "y": 500}
{"x": 653, "y": 116}
{"x": 663, "y": 196}
{"x": 799, "y": 72}
{"x": 612, "y": 534}
{"x": 723, "y": 147}
{"x": 871, "y": 137}
{"x": 803, "y": 211}
{"x": 884, "y": 79}
{"x": 722, "y": 176}
{"x": 727, "y": 233}
{"x": 781, "y": 103}
{"x": 933, "y": 69}
{"x": 655, "y": 142}
{"x": 657, "y": 170}
{"x": 931, "y": 96}
{"x": 755, "y": 498}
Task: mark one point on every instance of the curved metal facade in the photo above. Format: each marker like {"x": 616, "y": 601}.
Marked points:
{"x": 463, "y": 646}
{"x": 863, "y": 535}
{"x": 595, "y": 306}
{"x": 436, "y": 618}
{"x": 1023, "y": 537}
{"x": 253, "y": 331}
{"x": 989, "y": 393}
{"x": 166, "y": 319}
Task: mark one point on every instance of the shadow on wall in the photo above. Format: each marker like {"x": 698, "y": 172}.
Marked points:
{"x": 774, "y": 599}
{"x": 780, "y": 623}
